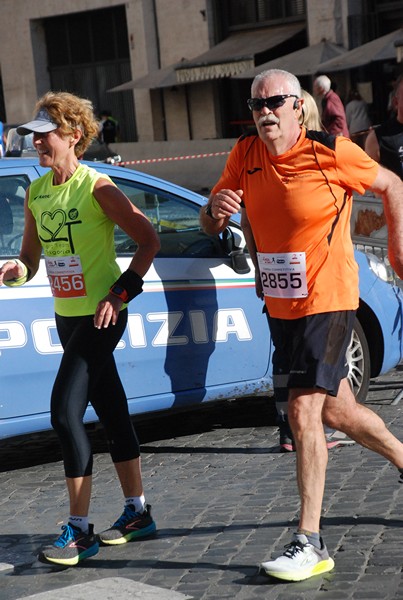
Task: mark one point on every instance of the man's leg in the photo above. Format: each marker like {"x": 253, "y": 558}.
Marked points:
{"x": 307, "y": 555}
{"x": 361, "y": 424}
{"x": 305, "y": 418}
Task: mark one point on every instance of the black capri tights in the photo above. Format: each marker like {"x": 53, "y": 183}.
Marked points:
{"x": 88, "y": 373}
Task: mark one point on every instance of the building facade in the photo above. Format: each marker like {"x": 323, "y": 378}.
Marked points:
{"x": 186, "y": 52}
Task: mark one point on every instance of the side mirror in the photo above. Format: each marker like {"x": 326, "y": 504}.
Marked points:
{"x": 234, "y": 244}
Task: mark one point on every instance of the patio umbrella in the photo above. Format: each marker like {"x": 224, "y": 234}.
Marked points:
{"x": 159, "y": 78}
{"x": 301, "y": 62}
{"x": 382, "y": 48}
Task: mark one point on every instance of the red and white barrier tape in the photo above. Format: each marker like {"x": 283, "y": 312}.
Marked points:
{"x": 170, "y": 158}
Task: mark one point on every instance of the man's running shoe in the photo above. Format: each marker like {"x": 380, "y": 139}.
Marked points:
{"x": 130, "y": 525}
{"x": 72, "y": 546}
{"x": 286, "y": 439}
{"x": 335, "y": 438}
{"x": 300, "y": 561}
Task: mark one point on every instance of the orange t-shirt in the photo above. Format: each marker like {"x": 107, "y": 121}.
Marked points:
{"x": 300, "y": 202}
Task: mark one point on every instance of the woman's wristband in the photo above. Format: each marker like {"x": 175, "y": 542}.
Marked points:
{"x": 128, "y": 286}
{"x": 17, "y": 281}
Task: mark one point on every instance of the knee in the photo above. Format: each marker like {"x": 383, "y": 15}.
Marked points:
{"x": 59, "y": 423}
{"x": 305, "y": 413}
{"x": 64, "y": 421}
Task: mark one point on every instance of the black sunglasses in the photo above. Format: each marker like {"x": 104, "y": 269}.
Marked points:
{"x": 271, "y": 103}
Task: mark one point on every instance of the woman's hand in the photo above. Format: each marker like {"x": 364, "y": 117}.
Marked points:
{"x": 10, "y": 270}
{"x": 107, "y": 311}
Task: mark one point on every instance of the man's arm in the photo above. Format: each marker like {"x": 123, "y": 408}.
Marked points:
{"x": 389, "y": 187}
{"x": 222, "y": 206}
{"x": 251, "y": 244}
{"x": 372, "y": 146}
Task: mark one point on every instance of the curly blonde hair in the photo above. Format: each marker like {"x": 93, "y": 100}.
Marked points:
{"x": 71, "y": 112}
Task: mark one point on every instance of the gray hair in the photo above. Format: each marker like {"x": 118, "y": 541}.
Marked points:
{"x": 294, "y": 84}
{"x": 323, "y": 82}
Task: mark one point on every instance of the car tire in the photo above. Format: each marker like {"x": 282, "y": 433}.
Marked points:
{"x": 359, "y": 363}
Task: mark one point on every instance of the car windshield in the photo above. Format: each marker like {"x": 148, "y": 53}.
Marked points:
{"x": 18, "y": 145}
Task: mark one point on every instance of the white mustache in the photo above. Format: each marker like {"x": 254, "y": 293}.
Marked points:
{"x": 269, "y": 119}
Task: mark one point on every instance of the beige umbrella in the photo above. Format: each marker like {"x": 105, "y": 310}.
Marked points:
{"x": 306, "y": 61}
{"x": 382, "y": 48}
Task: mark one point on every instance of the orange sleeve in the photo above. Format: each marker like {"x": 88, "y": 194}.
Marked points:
{"x": 356, "y": 170}
{"x": 231, "y": 176}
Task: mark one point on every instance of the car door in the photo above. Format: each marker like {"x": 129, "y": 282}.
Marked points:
{"x": 29, "y": 346}
{"x": 197, "y": 332}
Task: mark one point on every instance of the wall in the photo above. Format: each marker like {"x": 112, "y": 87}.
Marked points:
{"x": 23, "y": 73}
{"x": 160, "y": 33}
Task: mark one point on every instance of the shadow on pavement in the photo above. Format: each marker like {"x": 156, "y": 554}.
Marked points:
{"x": 43, "y": 448}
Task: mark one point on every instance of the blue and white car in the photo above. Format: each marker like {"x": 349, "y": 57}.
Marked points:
{"x": 196, "y": 334}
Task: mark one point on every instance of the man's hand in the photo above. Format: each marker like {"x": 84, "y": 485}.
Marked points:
{"x": 107, "y": 311}
{"x": 225, "y": 203}
{"x": 258, "y": 286}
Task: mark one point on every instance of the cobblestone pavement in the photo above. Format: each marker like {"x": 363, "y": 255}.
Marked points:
{"x": 223, "y": 498}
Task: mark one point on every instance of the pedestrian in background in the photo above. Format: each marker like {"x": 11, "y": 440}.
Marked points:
{"x": 109, "y": 128}
{"x": 357, "y": 115}
{"x": 294, "y": 188}
{"x": 310, "y": 116}
{"x": 333, "y": 114}
{"x": 70, "y": 216}
{"x": 385, "y": 142}
{"x": 2, "y": 141}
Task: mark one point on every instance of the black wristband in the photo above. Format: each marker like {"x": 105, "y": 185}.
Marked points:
{"x": 207, "y": 210}
{"x": 131, "y": 282}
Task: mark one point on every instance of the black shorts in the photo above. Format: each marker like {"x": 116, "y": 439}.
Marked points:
{"x": 314, "y": 349}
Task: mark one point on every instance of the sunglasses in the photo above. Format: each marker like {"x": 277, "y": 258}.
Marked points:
{"x": 271, "y": 103}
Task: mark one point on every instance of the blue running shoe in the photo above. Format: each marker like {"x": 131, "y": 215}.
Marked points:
{"x": 72, "y": 546}
{"x": 130, "y": 525}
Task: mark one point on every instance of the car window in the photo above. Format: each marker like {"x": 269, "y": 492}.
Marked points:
{"x": 12, "y": 194}
{"x": 175, "y": 219}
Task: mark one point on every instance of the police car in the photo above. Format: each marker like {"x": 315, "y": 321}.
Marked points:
{"x": 196, "y": 334}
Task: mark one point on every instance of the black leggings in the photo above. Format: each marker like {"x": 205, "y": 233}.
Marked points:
{"x": 88, "y": 373}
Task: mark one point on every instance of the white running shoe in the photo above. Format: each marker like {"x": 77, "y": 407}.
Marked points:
{"x": 300, "y": 561}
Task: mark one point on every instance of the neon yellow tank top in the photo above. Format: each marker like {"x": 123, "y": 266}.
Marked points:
{"x": 77, "y": 240}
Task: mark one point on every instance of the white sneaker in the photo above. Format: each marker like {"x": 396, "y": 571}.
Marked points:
{"x": 300, "y": 561}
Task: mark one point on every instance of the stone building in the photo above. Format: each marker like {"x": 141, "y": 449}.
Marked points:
{"x": 181, "y": 56}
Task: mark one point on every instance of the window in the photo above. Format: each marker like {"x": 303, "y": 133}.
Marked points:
{"x": 238, "y": 13}
{"x": 175, "y": 219}
{"x": 12, "y": 194}
{"x": 93, "y": 36}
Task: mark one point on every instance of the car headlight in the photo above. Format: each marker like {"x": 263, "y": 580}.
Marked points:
{"x": 381, "y": 268}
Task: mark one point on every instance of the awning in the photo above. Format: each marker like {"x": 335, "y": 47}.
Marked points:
{"x": 236, "y": 53}
{"x": 160, "y": 78}
{"x": 226, "y": 59}
{"x": 302, "y": 62}
{"x": 383, "y": 48}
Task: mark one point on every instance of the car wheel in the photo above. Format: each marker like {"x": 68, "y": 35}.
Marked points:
{"x": 359, "y": 367}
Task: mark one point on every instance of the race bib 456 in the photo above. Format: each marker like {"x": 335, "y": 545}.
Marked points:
{"x": 66, "y": 276}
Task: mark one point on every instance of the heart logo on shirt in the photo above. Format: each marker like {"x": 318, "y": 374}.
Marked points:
{"x": 53, "y": 222}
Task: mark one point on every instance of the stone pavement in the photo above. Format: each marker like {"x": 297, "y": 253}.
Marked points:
{"x": 223, "y": 498}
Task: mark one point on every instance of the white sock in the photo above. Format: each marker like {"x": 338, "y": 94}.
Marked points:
{"x": 79, "y": 522}
{"x": 137, "y": 501}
